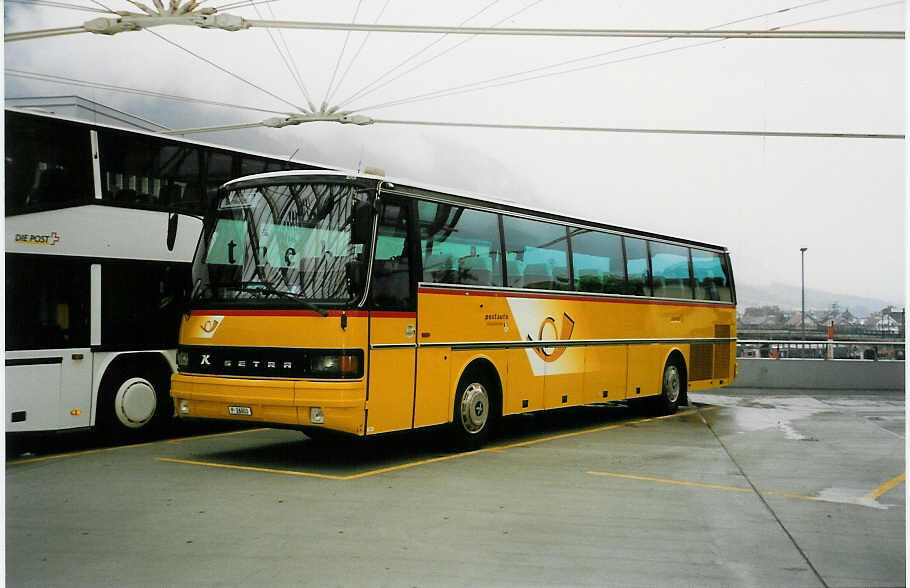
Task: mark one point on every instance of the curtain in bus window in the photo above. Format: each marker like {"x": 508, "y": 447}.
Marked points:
{"x": 536, "y": 254}
{"x": 712, "y": 281}
{"x": 598, "y": 262}
{"x": 670, "y": 271}
{"x": 459, "y": 245}
{"x": 637, "y": 266}
{"x": 47, "y": 302}
{"x": 48, "y": 163}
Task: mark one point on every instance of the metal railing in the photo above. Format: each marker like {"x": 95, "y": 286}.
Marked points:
{"x": 834, "y": 350}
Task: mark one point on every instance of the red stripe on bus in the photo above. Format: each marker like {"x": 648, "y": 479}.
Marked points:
{"x": 498, "y": 294}
{"x": 250, "y": 312}
{"x": 392, "y": 314}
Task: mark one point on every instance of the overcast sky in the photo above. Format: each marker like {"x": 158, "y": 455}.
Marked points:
{"x": 763, "y": 198}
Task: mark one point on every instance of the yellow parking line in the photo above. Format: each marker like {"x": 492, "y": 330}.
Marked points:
{"x": 720, "y": 487}
{"x": 493, "y": 449}
{"x": 77, "y": 453}
{"x": 887, "y": 486}
{"x": 214, "y": 435}
{"x": 249, "y": 468}
{"x": 668, "y": 481}
{"x": 599, "y": 429}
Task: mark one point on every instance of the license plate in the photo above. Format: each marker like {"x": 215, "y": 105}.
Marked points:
{"x": 240, "y": 411}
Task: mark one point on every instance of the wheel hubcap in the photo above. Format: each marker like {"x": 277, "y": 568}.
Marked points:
{"x": 135, "y": 402}
{"x": 475, "y": 408}
{"x": 671, "y": 383}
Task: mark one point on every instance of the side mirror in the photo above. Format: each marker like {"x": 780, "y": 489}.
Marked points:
{"x": 172, "y": 230}
{"x": 362, "y": 223}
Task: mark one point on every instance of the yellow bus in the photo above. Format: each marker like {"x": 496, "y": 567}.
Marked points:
{"x": 354, "y": 303}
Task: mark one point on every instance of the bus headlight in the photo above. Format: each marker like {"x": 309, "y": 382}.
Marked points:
{"x": 336, "y": 365}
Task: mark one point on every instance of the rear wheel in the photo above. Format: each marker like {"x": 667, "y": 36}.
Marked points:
{"x": 671, "y": 390}
{"x": 134, "y": 403}
{"x": 473, "y": 415}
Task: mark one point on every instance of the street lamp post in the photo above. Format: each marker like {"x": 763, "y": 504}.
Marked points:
{"x": 802, "y": 251}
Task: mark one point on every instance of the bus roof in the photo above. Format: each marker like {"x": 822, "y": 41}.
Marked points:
{"x": 479, "y": 201}
{"x": 175, "y": 138}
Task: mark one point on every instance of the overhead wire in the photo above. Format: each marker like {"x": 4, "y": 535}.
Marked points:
{"x": 344, "y": 46}
{"x": 359, "y": 50}
{"x": 64, "y": 5}
{"x": 489, "y": 82}
{"x": 438, "y": 55}
{"x": 417, "y": 53}
{"x": 293, "y": 61}
{"x": 228, "y": 72}
{"x": 294, "y": 74}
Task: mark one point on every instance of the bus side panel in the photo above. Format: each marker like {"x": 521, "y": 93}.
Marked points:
{"x": 53, "y": 388}
{"x": 645, "y": 370}
{"x": 563, "y": 383}
{"x": 525, "y": 389}
{"x": 605, "y": 377}
{"x": 434, "y": 385}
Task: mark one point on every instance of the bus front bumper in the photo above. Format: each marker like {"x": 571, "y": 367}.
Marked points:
{"x": 289, "y": 402}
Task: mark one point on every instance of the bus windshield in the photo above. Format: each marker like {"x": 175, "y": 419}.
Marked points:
{"x": 283, "y": 243}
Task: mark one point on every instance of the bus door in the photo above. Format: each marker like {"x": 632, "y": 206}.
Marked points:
{"x": 393, "y": 323}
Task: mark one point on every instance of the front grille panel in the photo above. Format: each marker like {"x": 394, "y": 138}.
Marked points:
{"x": 270, "y": 362}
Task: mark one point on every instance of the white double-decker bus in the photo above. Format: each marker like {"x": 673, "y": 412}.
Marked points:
{"x": 101, "y": 225}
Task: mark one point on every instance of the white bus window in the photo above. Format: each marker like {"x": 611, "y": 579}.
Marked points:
{"x": 47, "y": 302}
{"x": 48, "y": 163}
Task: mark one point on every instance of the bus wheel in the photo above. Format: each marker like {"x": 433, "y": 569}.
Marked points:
{"x": 473, "y": 412}
{"x": 133, "y": 404}
{"x": 671, "y": 391}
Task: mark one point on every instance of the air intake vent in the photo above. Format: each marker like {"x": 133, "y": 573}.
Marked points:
{"x": 722, "y": 352}
{"x": 701, "y": 358}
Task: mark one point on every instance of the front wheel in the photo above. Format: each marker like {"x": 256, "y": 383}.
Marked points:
{"x": 473, "y": 413}
{"x": 671, "y": 391}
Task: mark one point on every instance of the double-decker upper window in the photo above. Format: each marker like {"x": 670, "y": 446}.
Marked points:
{"x": 48, "y": 163}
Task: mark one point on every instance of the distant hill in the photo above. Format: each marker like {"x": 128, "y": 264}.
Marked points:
{"x": 789, "y": 298}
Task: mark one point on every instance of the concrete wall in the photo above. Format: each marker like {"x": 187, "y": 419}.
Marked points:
{"x": 841, "y": 374}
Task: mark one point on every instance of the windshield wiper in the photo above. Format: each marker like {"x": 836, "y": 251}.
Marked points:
{"x": 263, "y": 288}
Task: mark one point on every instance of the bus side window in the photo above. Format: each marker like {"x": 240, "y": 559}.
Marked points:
{"x": 598, "y": 262}
{"x": 711, "y": 276}
{"x": 637, "y": 266}
{"x": 540, "y": 251}
{"x": 459, "y": 245}
{"x": 391, "y": 280}
{"x": 670, "y": 269}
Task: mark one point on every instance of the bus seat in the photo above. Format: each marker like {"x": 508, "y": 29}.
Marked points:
{"x": 561, "y": 277}
{"x": 539, "y": 276}
{"x": 439, "y": 268}
{"x": 515, "y": 272}
{"x": 589, "y": 280}
{"x": 475, "y": 270}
